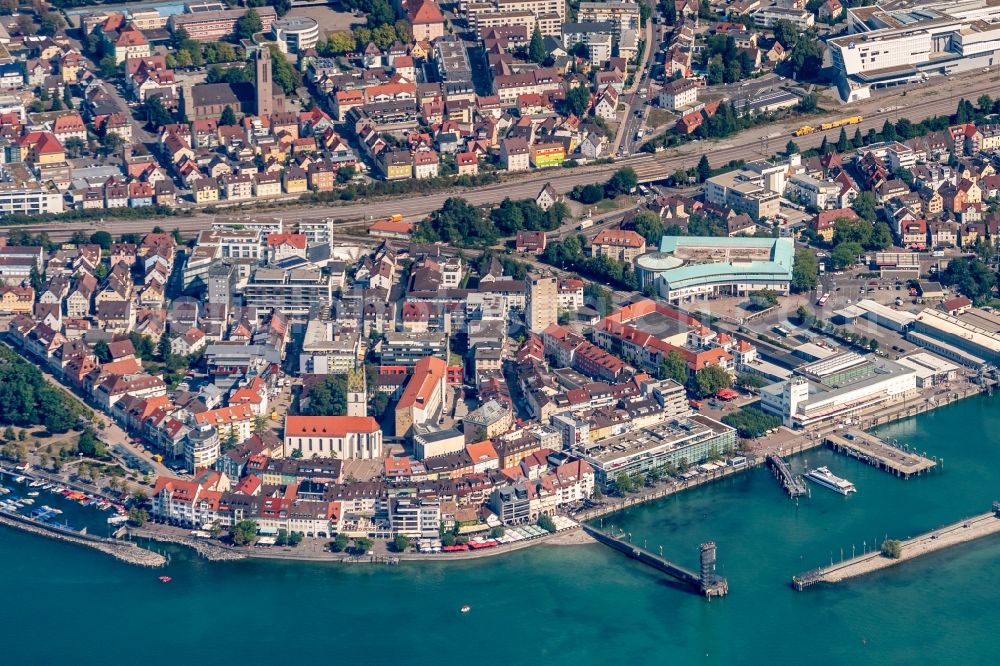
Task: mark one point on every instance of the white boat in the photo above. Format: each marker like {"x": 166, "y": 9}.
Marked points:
{"x": 33, "y": 494}
{"x": 824, "y": 477}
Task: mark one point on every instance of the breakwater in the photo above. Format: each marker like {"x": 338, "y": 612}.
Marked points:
{"x": 210, "y": 551}
{"x": 126, "y": 552}
{"x": 969, "y": 529}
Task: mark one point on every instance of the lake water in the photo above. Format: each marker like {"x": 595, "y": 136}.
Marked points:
{"x": 566, "y": 604}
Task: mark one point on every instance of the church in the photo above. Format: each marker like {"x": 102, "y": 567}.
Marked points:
{"x": 261, "y": 98}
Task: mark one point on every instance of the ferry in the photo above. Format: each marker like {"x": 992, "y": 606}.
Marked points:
{"x": 825, "y": 478}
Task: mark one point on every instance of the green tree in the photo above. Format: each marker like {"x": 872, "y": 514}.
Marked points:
{"x": 623, "y": 181}
{"x": 762, "y": 299}
{"x": 108, "y": 67}
{"x": 712, "y": 379}
{"x": 805, "y": 270}
{"x": 497, "y": 532}
{"x": 791, "y": 148}
{"x": 329, "y": 397}
{"x": 892, "y": 549}
{"x": 751, "y": 422}
{"x": 547, "y": 524}
{"x": 786, "y": 33}
{"x": 248, "y": 25}
{"x": 866, "y": 206}
{"x": 102, "y": 351}
{"x": 846, "y": 254}
{"x": 102, "y": 238}
{"x": 137, "y": 517}
{"x": 704, "y": 169}
{"x": 648, "y": 225}
{"x": 243, "y": 532}
{"x": 400, "y": 544}
{"x": 340, "y": 544}
{"x": 881, "y": 238}
{"x": 362, "y": 545}
{"x": 673, "y": 366}
{"x": 842, "y": 143}
{"x": 228, "y": 116}
{"x": 536, "y": 48}
{"x": 578, "y": 101}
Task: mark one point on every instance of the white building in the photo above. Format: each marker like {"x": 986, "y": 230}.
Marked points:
{"x": 813, "y": 192}
{"x": 841, "y": 390}
{"x": 341, "y": 437}
{"x": 201, "y": 447}
{"x": 30, "y": 200}
{"x": 678, "y": 94}
{"x": 894, "y": 43}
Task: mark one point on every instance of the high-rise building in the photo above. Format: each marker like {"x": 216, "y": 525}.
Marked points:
{"x": 542, "y": 302}
{"x": 265, "y": 92}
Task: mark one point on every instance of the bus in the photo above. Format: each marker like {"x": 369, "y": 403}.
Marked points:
{"x": 781, "y": 330}
{"x": 822, "y": 300}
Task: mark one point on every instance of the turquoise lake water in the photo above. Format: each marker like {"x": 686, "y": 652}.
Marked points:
{"x": 566, "y": 604}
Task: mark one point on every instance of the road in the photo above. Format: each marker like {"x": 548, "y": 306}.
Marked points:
{"x": 921, "y": 102}
{"x": 641, "y": 90}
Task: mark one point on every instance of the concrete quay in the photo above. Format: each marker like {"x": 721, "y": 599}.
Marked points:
{"x": 878, "y": 453}
{"x": 969, "y": 529}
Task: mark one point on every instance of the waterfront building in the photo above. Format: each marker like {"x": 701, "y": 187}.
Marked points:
{"x": 683, "y": 441}
{"x": 974, "y": 332}
{"x": 837, "y": 387}
{"x": 414, "y": 517}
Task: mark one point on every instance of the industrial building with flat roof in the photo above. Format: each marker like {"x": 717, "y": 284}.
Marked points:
{"x": 687, "y": 268}
{"x": 965, "y": 333}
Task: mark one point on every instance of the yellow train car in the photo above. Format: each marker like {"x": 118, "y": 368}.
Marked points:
{"x": 805, "y": 129}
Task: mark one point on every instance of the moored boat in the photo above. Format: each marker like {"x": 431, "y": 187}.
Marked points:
{"x": 824, "y": 477}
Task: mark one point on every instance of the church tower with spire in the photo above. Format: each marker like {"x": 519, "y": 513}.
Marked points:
{"x": 357, "y": 394}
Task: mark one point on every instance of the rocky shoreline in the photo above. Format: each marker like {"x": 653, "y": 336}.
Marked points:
{"x": 129, "y": 553}
{"x": 209, "y": 551}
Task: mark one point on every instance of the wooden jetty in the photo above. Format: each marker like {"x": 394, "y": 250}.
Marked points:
{"x": 792, "y": 484}
{"x": 707, "y": 582}
{"x": 869, "y": 448}
{"x": 969, "y": 529}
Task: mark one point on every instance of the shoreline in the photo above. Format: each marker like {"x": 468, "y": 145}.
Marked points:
{"x": 129, "y": 553}
{"x": 215, "y": 552}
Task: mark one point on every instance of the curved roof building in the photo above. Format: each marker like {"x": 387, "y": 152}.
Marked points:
{"x": 687, "y": 268}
